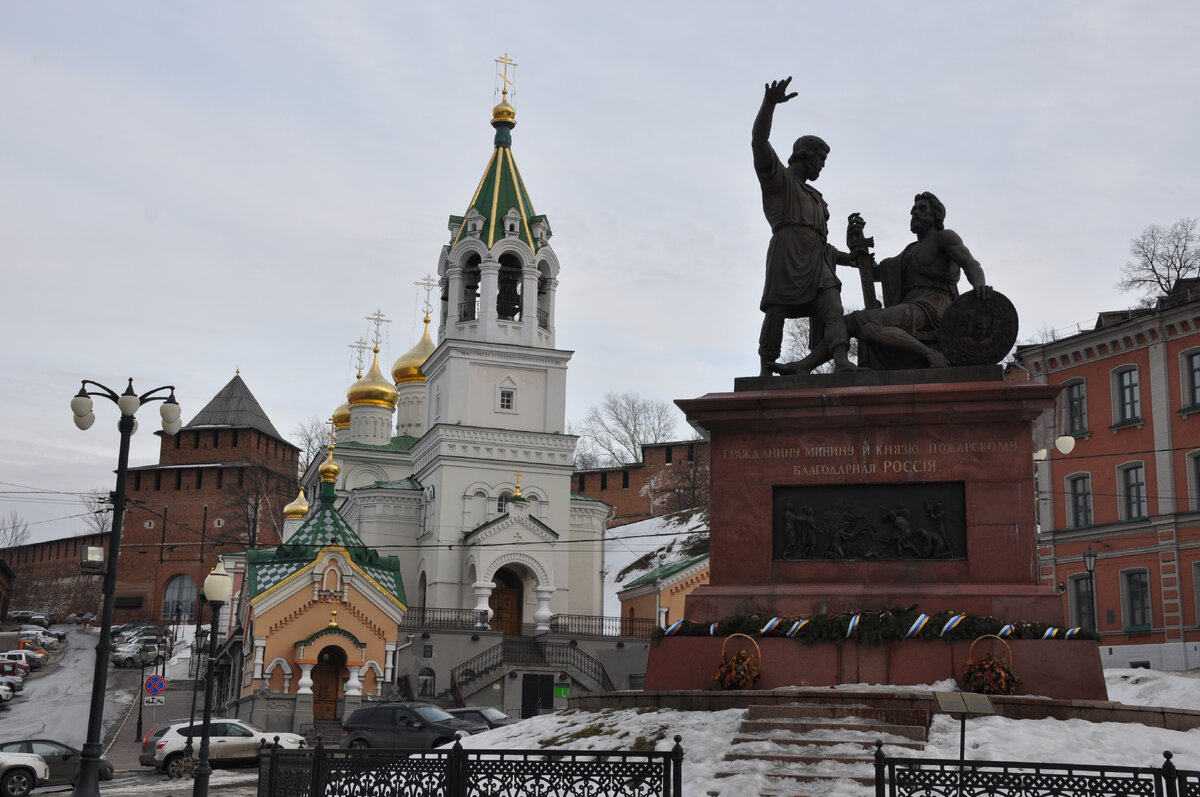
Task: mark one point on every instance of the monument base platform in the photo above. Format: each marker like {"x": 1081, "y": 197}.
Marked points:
{"x": 1005, "y": 602}
{"x": 1047, "y": 668}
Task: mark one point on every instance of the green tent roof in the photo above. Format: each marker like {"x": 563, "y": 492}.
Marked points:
{"x": 664, "y": 571}
{"x": 500, "y": 190}
{"x": 322, "y": 528}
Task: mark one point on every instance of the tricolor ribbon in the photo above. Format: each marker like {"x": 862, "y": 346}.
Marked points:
{"x": 917, "y": 626}
{"x": 712, "y": 629}
{"x": 1051, "y": 632}
{"x": 1006, "y": 630}
{"x": 850, "y": 629}
{"x": 770, "y": 626}
{"x": 1072, "y": 632}
{"x": 674, "y": 627}
{"x": 951, "y": 624}
{"x": 796, "y": 627}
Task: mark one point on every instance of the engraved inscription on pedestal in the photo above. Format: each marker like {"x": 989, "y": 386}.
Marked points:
{"x": 885, "y": 522}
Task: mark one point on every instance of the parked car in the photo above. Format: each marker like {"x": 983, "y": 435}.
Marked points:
{"x": 231, "y": 741}
{"x": 13, "y": 667}
{"x": 14, "y": 682}
{"x": 27, "y": 657}
{"x": 411, "y": 725}
{"x": 61, "y": 759}
{"x": 20, "y": 616}
{"x": 40, "y": 618}
{"x": 50, "y": 632}
{"x": 130, "y": 654}
{"x": 150, "y": 740}
{"x": 6, "y": 693}
{"x": 489, "y": 716}
{"x": 20, "y": 773}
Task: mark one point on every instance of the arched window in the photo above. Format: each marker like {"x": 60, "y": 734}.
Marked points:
{"x": 467, "y": 308}
{"x": 502, "y": 503}
{"x": 426, "y": 682}
{"x": 508, "y": 295}
{"x": 179, "y": 599}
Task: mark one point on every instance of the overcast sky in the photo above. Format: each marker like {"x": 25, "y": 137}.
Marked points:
{"x": 191, "y": 188}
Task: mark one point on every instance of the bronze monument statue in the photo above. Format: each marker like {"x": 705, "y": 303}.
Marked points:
{"x": 920, "y": 286}
{"x": 800, "y": 279}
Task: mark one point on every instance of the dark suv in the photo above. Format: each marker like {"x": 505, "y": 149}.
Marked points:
{"x": 405, "y": 725}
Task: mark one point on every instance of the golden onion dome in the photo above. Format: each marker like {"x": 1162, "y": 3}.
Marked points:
{"x": 408, "y": 367}
{"x": 329, "y": 469}
{"x": 373, "y": 388}
{"x": 297, "y": 508}
{"x": 341, "y": 416}
{"x": 504, "y": 112}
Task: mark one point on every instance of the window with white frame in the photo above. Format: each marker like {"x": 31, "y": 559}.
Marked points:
{"x": 1127, "y": 403}
{"x": 1191, "y": 379}
{"x": 506, "y": 395}
{"x": 1079, "y": 500}
{"x": 1083, "y": 603}
{"x": 502, "y": 503}
{"x": 1135, "y": 599}
{"x": 1076, "y": 394}
{"x": 1131, "y": 481}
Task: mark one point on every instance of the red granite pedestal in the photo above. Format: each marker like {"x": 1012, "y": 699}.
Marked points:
{"x": 972, "y": 435}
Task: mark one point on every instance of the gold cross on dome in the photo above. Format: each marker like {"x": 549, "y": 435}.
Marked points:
{"x": 505, "y": 62}
{"x": 428, "y": 283}
{"x": 361, "y": 347}
{"x": 378, "y": 319}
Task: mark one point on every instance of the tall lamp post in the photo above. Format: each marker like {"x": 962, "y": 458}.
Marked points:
{"x": 1089, "y": 561}
{"x": 145, "y": 657}
{"x": 87, "y": 782}
{"x": 217, "y": 589}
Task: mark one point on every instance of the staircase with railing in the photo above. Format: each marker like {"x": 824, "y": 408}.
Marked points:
{"x": 518, "y": 652}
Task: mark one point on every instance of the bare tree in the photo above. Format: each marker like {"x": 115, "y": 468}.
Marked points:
{"x": 14, "y": 530}
{"x": 312, "y": 435}
{"x": 680, "y": 487}
{"x": 1161, "y": 256}
{"x": 253, "y": 505}
{"x": 586, "y": 457}
{"x": 99, "y": 511}
{"x": 623, "y": 422}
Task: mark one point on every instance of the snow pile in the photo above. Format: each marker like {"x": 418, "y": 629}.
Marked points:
{"x": 706, "y": 737}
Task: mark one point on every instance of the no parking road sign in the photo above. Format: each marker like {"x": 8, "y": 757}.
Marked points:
{"x": 155, "y": 685}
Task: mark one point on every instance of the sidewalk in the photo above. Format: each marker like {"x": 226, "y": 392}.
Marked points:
{"x": 120, "y": 746}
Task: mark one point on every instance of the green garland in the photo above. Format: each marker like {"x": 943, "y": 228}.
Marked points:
{"x": 875, "y": 626}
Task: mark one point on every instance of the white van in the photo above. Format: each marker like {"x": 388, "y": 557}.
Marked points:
{"x": 26, "y": 657}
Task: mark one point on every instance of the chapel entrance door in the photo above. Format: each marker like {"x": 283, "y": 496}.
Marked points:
{"x": 505, "y": 603}
{"x": 327, "y": 682}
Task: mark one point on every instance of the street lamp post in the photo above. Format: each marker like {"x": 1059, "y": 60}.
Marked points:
{"x": 87, "y": 782}
{"x": 217, "y": 589}
{"x": 142, "y": 701}
{"x": 194, "y": 667}
{"x": 1089, "y": 561}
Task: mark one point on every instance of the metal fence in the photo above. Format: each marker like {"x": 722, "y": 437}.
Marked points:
{"x": 330, "y": 772}
{"x": 919, "y": 777}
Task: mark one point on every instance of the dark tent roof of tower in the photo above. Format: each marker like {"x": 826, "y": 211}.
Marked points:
{"x": 235, "y": 406}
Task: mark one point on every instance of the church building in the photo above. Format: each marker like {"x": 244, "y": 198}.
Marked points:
{"x": 456, "y": 471}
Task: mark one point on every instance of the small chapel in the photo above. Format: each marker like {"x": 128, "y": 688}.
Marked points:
{"x": 445, "y": 557}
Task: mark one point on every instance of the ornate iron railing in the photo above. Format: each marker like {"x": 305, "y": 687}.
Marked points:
{"x": 467, "y": 310}
{"x": 559, "y": 654}
{"x": 576, "y": 625}
{"x": 325, "y": 772}
{"x": 543, "y": 318}
{"x": 901, "y": 777}
{"x": 591, "y": 625}
{"x": 441, "y": 619}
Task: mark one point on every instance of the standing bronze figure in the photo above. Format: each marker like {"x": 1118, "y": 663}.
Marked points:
{"x": 800, "y": 279}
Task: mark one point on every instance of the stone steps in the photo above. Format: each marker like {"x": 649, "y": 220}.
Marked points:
{"x": 810, "y": 749}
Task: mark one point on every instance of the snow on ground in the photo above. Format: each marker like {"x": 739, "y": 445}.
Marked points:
{"x": 624, "y": 545}
{"x": 706, "y": 736}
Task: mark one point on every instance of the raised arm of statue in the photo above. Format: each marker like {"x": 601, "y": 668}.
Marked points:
{"x": 774, "y": 93}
